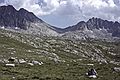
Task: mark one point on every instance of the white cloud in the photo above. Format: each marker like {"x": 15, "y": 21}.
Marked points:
{"x": 75, "y": 9}
{"x": 39, "y": 7}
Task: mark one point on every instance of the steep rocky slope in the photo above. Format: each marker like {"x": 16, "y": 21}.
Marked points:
{"x": 24, "y": 21}
{"x": 94, "y": 28}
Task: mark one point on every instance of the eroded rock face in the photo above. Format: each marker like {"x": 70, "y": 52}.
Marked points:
{"x": 94, "y": 28}
{"x": 97, "y": 23}
{"x": 10, "y": 17}
{"x": 24, "y": 21}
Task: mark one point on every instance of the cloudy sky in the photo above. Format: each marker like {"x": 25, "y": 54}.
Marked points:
{"x": 63, "y": 13}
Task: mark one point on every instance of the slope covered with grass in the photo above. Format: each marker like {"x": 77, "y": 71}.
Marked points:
{"x": 62, "y": 59}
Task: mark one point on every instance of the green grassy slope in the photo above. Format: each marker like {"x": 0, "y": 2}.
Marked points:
{"x": 62, "y": 59}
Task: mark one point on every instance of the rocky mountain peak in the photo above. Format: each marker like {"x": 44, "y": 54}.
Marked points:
{"x": 23, "y": 21}
{"x": 22, "y": 10}
{"x": 95, "y": 28}
{"x": 7, "y": 8}
{"x": 29, "y": 16}
{"x": 98, "y": 23}
{"x": 10, "y": 17}
{"x": 95, "y": 23}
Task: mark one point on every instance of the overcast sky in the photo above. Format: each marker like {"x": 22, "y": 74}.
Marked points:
{"x": 63, "y": 13}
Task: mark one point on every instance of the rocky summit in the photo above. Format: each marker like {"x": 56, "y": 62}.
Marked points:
{"x": 24, "y": 21}
{"x": 10, "y": 17}
{"x": 94, "y": 28}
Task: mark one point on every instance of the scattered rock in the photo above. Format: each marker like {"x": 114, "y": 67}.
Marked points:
{"x": 10, "y": 65}
{"x": 5, "y": 61}
{"x": 116, "y": 63}
{"x": 22, "y": 61}
{"x": 90, "y": 64}
{"x": 117, "y": 69}
{"x": 92, "y": 73}
{"x": 13, "y": 77}
{"x": 12, "y": 53}
{"x": 36, "y": 62}
{"x": 102, "y": 60}
{"x": 1, "y": 61}
{"x": 92, "y": 76}
{"x": 11, "y": 59}
{"x": 31, "y": 64}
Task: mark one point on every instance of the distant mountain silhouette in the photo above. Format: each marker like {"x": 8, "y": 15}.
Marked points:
{"x": 97, "y": 24}
{"x": 24, "y": 20}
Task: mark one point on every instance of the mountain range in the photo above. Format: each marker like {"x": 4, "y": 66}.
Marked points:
{"x": 31, "y": 49}
{"x": 26, "y": 22}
